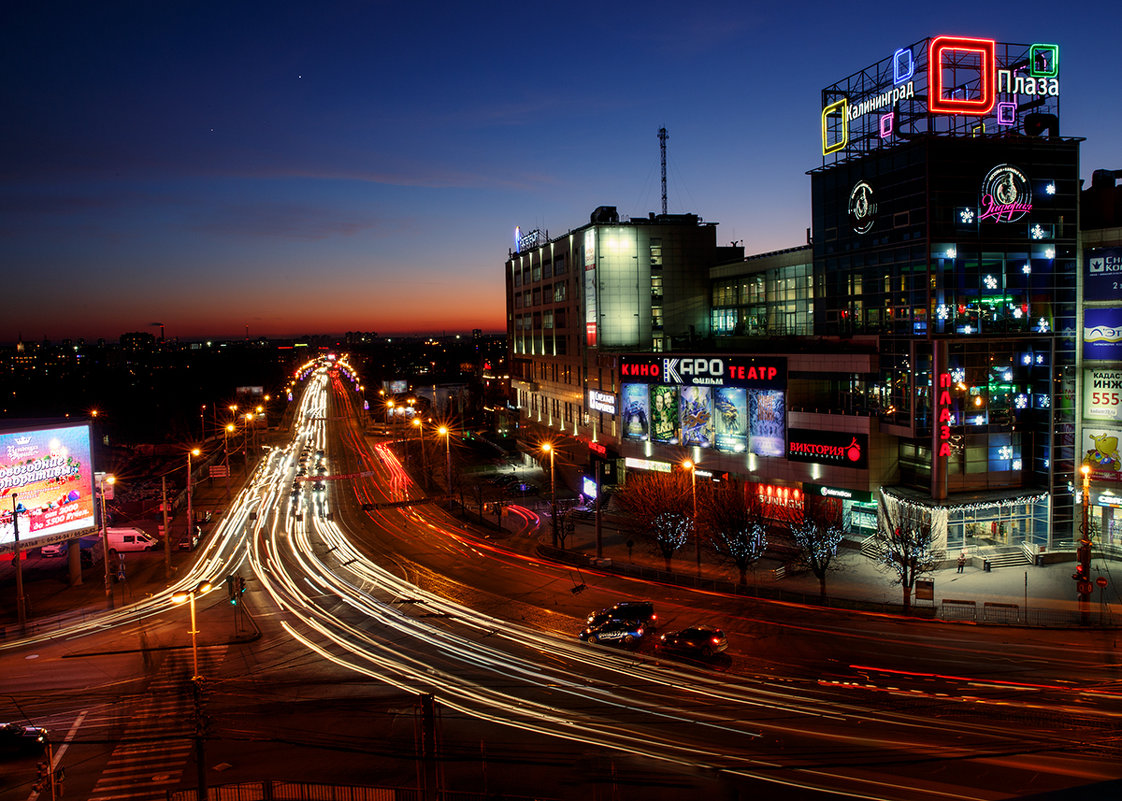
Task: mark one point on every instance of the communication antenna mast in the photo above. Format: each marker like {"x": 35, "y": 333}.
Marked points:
{"x": 662, "y": 137}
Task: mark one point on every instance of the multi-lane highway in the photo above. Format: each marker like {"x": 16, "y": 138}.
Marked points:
{"x": 355, "y": 575}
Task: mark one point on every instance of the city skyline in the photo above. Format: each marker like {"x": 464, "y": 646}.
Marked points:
{"x": 283, "y": 171}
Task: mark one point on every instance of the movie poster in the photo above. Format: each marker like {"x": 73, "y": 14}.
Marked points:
{"x": 636, "y": 415}
{"x": 664, "y": 414}
{"x": 697, "y": 416}
{"x": 730, "y": 408}
{"x": 766, "y": 421}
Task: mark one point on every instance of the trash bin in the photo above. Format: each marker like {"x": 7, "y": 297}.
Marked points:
{"x": 986, "y": 565}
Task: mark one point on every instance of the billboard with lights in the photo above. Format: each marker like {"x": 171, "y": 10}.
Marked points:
{"x": 46, "y": 483}
{"x": 952, "y": 85}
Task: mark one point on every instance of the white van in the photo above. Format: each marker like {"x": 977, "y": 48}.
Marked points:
{"x": 124, "y": 540}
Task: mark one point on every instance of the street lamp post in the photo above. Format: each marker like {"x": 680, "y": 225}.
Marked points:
{"x": 688, "y": 465}
{"x": 105, "y": 539}
{"x": 444, "y": 432}
{"x": 417, "y": 424}
{"x": 21, "y": 605}
{"x": 189, "y": 595}
{"x": 202, "y": 423}
{"x": 548, "y": 448}
{"x": 1083, "y": 567}
{"x": 190, "y": 508}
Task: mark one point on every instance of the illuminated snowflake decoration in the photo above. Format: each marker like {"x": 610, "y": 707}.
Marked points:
{"x": 1026, "y": 359}
{"x": 1027, "y": 269}
{"x": 1022, "y": 401}
{"x": 968, "y": 329}
{"x": 1016, "y": 464}
{"x": 942, "y": 311}
{"x": 1050, "y": 189}
{"x": 958, "y": 375}
{"x": 980, "y": 420}
{"x": 1037, "y": 231}
{"x": 1049, "y": 253}
{"x": 990, "y": 282}
{"x": 1040, "y": 358}
{"x": 967, "y": 216}
{"x": 1043, "y": 401}
{"x": 1007, "y": 376}
{"x": 1017, "y": 315}
{"x": 951, "y": 253}
{"x": 1005, "y": 452}
{"x": 1042, "y": 325}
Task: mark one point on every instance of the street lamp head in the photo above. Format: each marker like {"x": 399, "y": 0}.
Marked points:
{"x": 547, "y": 447}
{"x": 417, "y": 422}
{"x": 180, "y": 597}
{"x": 443, "y": 431}
{"x": 229, "y": 426}
{"x": 110, "y": 479}
{"x": 1085, "y": 470}
{"x": 194, "y": 452}
{"x": 203, "y": 586}
{"x": 687, "y": 465}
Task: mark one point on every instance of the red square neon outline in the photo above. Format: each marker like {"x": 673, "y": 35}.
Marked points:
{"x": 987, "y": 49}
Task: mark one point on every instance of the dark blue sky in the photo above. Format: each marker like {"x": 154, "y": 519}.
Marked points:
{"x": 323, "y": 167}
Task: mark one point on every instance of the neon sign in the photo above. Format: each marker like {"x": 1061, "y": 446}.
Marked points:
{"x": 945, "y": 53}
{"x": 943, "y": 415}
{"x": 601, "y": 401}
{"x": 1006, "y": 195}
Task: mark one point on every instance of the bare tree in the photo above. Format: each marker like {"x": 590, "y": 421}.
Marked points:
{"x": 817, "y": 533}
{"x": 903, "y": 541}
{"x": 735, "y": 524}
{"x": 659, "y": 510}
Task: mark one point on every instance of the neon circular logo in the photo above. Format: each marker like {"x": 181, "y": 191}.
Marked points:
{"x": 1006, "y": 194}
{"x": 862, "y": 208}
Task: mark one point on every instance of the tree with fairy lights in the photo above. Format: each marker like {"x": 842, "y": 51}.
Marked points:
{"x": 736, "y": 524}
{"x": 817, "y": 533}
{"x": 903, "y": 541}
{"x": 658, "y": 509}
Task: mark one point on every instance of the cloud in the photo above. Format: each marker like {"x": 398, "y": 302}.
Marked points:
{"x": 280, "y": 221}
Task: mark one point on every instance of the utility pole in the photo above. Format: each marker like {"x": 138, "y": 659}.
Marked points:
{"x": 21, "y": 604}
{"x": 428, "y": 747}
{"x": 167, "y": 533}
{"x": 662, "y": 137}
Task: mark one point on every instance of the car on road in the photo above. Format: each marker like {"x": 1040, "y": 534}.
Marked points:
{"x": 613, "y": 632}
{"x": 17, "y": 740}
{"x": 57, "y": 549}
{"x": 695, "y": 641}
{"x": 641, "y": 613}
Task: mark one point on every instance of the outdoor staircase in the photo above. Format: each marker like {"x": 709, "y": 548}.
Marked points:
{"x": 1006, "y": 557}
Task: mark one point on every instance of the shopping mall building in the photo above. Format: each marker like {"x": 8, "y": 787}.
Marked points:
{"x": 943, "y": 341}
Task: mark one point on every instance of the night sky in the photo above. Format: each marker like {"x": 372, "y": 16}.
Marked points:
{"x": 325, "y": 167}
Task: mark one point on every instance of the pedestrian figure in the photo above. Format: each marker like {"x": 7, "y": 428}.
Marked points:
{"x": 961, "y": 561}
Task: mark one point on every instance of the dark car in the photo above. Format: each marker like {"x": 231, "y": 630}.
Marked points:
{"x": 17, "y": 740}
{"x": 641, "y": 613}
{"x": 695, "y": 641}
{"x": 613, "y": 632}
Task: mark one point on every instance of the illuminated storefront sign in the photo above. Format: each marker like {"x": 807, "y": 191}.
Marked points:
{"x": 647, "y": 464}
{"x": 601, "y": 401}
{"x": 840, "y": 448}
{"x": 529, "y": 240}
{"x": 739, "y": 371}
{"x": 1102, "y": 275}
{"x": 1102, "y": 395}
{"x": 777, "y": 501}
{"x": 862, "y": 208}
{"x": 862, "y": 496}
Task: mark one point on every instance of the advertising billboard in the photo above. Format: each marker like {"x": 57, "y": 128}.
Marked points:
{"x": 1102, "y": 274}
{"x": 1102, "y": 395}
{"x": 1100, "y": 451}
{"x": 46, "y": 483}
{"x": 664, "y": 414}
{"x": 767, "y": 419}
{"x": 696, "y": 415}
{"x": 636, "y": 414}
{"x": 758, "y": 372}
{"x": 1102, "y": 334}
{"x": 730, "y": 407}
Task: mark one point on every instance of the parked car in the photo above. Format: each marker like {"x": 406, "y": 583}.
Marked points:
{"x": 124, "y": 540}
{"x": 17, "y": 740}
{"x": 695, "y": 641}
{"x": 613, "y": 632}
{"x": 642, "y": 613}
{"x": 55, "y": 549}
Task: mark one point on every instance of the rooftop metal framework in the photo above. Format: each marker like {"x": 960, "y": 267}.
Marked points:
{"x": 944, "y": 86}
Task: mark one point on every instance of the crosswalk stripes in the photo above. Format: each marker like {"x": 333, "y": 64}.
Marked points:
{"x": 157, "y": 739}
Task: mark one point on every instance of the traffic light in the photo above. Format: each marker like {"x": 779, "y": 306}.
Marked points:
{"x": 232, "y": 589}
{"x": 241, "y": 585}
{"x": 1080, "y": 573}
